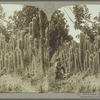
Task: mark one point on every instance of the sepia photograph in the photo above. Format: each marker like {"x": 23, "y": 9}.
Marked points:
{"x": 60, "y": 55}
{"x": 75, "y": 56}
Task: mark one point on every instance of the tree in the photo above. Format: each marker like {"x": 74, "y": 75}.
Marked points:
{"x": 84, "y": 22}
{"x": 58, "y": 29}
{"x": 2, "y": 16}
{"x": 23, "y": 17}
{"x": 3, "y": 22}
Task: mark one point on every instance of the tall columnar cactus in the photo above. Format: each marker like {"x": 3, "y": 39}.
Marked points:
{"x": 80, "y": 61}
{"x": 87, "y": 59}
{"x": 9, "y": 68}
{"x": 30, "y": 28}
{"x": 11, "y": 63}
{"x": 47, "y": 43}
{"x": 36, "y": 46}
{"x": 17, "y": 55}
{"x": 35, "y": 27}
{"x": 95, "y": 48}
{"x": 85, "y": 65}
{"x": 61, "y": 40}
{"x": 14, "y": 29}
{"x": 24, "y": 43}
{"x": 70, "y": 60}
{"x": 91, "y": 48}
{"x": 22, "y": 38}
{"x": 75, "y": 61}
{"x": 42, "y": 31}
{"x": 90, "y": 62}
{"x": 14, "y": 60}
{"x": 96, "y": 62}
{"x": 98, "y": 59}
{"x": 98, "y": 29}
{"x": 82, "y": 37}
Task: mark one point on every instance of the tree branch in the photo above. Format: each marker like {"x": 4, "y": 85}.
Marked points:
{"x": 5, "y": 21}
{"x": 89, "y": 21}
{"x": 69, "y": 16}
{"x": 71, "y": 10}
{"x": 85, "y": 19}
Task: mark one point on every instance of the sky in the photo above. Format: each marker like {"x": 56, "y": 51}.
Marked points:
{"x": 93, "y": 9}
{"x": 9, "y": 9}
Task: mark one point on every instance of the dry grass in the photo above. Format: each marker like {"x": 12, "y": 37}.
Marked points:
{"x": 75, "y": 84}
{"x": 15, "y": 83}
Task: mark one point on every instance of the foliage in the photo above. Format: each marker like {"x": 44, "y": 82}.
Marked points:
{"x": 84, "y": 22}
{"x": 58, "y": 29}
{"x": 23, "y": 17}
{"x": 3, "y": 22}
{"x": 2, "y": 14}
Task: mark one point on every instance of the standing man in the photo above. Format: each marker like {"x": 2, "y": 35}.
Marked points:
{"x": 60, "y": 70}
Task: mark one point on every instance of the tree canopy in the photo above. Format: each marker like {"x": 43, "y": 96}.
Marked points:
{"x": 84, "y": 22}
{"x": 2, "y": 18}
{"x": 3, "y": 22}
{"x": 23, "y": 17}
{"x": 58, "y": 29}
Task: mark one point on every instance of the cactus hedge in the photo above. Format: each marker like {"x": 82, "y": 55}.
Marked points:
{"x": 26, "y": 52}
{"x": 81, "y": 56}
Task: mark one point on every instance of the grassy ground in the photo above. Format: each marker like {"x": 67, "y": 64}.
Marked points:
{"x": 15, "y": 83}
{"x": 75, "y": 84}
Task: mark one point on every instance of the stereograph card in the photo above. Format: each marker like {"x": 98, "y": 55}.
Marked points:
{"x": 49, "y": 49}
